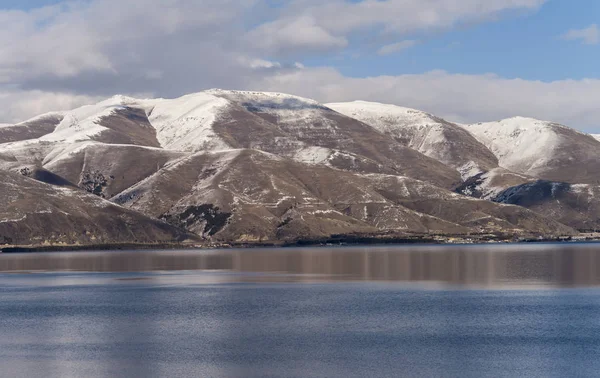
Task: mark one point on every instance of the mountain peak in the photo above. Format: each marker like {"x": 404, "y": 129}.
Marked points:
{"x": 251, "y": 96}
{"x": 119, "y": 100}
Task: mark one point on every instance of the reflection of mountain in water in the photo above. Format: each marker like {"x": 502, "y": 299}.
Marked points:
{"x": 497, "y": 265}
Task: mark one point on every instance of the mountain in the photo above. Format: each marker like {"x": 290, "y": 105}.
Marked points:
{"x": 253, "y": 195}
{"x": 38, "y": 213}
{"x": 214, "y": 120}
{"x": 430, "y": 135}
{"x": 34, "y": 128}
{"x": 539, "y": 150}
{"x": 596, "y": 136}
{"x": 577, "y": 205}
{"x": 543, "y": 150}
{"x": 321, "y": 135}
{"x": 488, "y": 185}
{"x": 235, "y": 166}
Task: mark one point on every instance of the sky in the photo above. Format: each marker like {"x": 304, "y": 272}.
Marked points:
{"x": 464, "y": 60}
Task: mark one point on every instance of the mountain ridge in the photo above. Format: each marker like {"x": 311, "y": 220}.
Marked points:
{"x": 261, "y": 166}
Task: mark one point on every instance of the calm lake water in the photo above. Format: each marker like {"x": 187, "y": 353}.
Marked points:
{"x": 502, "y": 311}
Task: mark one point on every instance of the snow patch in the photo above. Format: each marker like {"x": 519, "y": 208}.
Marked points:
{"x": 185, "y": 123}
{"x": 290, "y": 111}
{"x": 42, "y": 117}
{"x": 79, "y": 125}
{"x": 413, "y": 128}
{"x": 65, "y": 151}
{"x": 469, "y": 169}
{"x": 383, "y": 117}
{"x": 520, "y": 144}
{"x": 313, "y": 155}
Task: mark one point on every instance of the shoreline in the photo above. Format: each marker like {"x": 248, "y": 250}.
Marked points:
{"x": 335, "y": 241}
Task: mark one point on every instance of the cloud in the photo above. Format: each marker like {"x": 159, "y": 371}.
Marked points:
{"x": 456, "y": 97}
{"x": 342, "y": 18}
{"x": 396, "y": 47}
{"x": 115, "y": 38}
{"x": 289, "y": 36}
{"x": 588, "y": 36}
{"x": 18, "y": 105}
{"x": 79, "y": 51}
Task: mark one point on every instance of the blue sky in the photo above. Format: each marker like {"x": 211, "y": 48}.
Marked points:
{"x": 27, "y": 4}
{"x": 467, "y": 60}
{"x": 522, "y": 45}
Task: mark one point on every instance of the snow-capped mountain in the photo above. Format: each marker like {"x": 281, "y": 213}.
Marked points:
{"x": 596, "y": 136}
{"x": 540, "y": 149}
{"x": 215, "y": 120}
{"x": 250, "y": 166}
{"x": 430, "y": 135}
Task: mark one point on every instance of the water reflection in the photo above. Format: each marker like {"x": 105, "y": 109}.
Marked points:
{"x": 488, "y": 266}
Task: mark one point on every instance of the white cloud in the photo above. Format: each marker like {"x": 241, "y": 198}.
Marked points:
{"x": 17, "y": 105}
{"x": 396, "y": 47}
{"x": 457, "y": 97}
{"x": 340, "y": 17}
{"x": 588, "y": 36}
{"x": 62, "y": 56}
{"x": 287, "y": 36}
{"x": 110, "y": 37}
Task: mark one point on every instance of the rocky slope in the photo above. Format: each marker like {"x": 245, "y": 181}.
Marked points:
{"x": 430, "y": 135}
{"x": 253, "y": 195}
{"x": 543, "y": 150}
{"x": 577, "y": 205}
{"x": 39, "y": 213}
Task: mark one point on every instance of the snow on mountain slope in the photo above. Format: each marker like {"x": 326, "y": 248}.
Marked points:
{"x": 574, "y": 204}
{"x": 541, "y": 149}
{"x": 30, "y": 129}
{"x": 521, "y": 144}
{"x": 216, "y": 120}
{"x": 107, "y": 169}
{"x": 490, "y": 184}
{"x": 74, "y": 129}
{"x": 384, "y": 117}
{"x": 242, "y": 165}
{"x": 596, "y": 136}
{"x": 578, "y": 205}
{"x": 287, "y": 109}
{"x": 84, "y": 123}
{"x": 430, "y": 135}
{"x": 185, "y": 123}
{"x": 316, "y": 125}
{"x": 24, "y": 153}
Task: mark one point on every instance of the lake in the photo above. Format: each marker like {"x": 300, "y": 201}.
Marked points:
{"x": 416, "y": 311}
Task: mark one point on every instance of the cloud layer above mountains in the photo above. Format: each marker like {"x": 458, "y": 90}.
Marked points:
{"x": 76, "y": 52}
